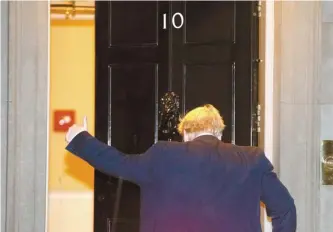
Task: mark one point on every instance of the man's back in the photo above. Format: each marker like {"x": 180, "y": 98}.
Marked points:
{"x": 200, "y": 186}
{"x": 203, "y": 185}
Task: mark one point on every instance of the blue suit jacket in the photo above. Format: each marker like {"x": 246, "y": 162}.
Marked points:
{"x": 200, "y": 186}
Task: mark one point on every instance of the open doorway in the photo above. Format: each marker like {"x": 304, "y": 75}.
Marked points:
{"x": 210, "y": 48}
{"x": 72, "y": 89}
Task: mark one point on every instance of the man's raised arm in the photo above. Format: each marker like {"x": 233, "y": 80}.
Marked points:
{"x": 107, "y": 159}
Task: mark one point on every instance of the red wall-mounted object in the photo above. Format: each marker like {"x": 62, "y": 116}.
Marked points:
{"x": 63, "y": 120}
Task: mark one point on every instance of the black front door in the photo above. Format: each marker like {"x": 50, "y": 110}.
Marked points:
{"x": 205, "y": 52}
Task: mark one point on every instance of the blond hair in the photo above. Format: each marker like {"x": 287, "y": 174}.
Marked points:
{"x": 204, "y": 119}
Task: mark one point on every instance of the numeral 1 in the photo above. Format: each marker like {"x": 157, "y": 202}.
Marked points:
{"x": 173, "y": 21}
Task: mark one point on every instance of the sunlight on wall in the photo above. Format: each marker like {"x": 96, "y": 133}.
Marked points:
{"x": 72, "y": 86}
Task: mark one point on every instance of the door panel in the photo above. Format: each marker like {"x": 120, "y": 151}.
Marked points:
{"x": 208, "y": 22}
{"x": 131, "y": 72}
{"x": 133, "y": 91}
{"x": 133, "y": 95}
{"x": 216, "y": 41}
{"x": 131, "y": 27}
{"x": 246, "y": 93}
{"x": 202, "y": 85}
{"x": 210, "y": 59}
{"x": 203, "y": 58}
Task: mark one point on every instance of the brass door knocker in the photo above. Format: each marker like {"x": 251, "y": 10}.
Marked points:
{"x": 169, "y": 116}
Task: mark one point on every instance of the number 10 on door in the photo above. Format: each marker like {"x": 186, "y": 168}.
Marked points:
{"x": 173, "y": 20}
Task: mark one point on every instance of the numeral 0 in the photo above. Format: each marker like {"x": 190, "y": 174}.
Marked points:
{"x": 173, "y": 20}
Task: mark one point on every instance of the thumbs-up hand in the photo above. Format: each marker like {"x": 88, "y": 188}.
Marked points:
{"x": 85, "y": 123}
{"x": 75, "y": 130}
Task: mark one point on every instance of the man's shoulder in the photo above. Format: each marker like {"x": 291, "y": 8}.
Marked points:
{"x": 248, "y": 150}
{"x": 168, "y": 144}
{"x": 252, "y": 154}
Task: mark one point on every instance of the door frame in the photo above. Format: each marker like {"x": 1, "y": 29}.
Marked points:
{"x": 25, "y": 75}
{"x": 266, "y": 91}
{"x": 4, "y": 108}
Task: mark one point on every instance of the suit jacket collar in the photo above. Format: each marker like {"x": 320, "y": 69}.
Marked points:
{"x": 206, "y": 138}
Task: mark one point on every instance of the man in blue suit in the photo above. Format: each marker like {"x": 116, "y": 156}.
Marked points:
{"x": 200, "y": 185}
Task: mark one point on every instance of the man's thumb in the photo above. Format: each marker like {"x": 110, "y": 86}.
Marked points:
{"x": 85, "y": 123}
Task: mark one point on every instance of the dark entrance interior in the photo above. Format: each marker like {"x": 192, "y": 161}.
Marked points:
{"x": 205, "y": 52}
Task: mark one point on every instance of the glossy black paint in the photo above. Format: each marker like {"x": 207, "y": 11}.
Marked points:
{"x": 210, "y": 59}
